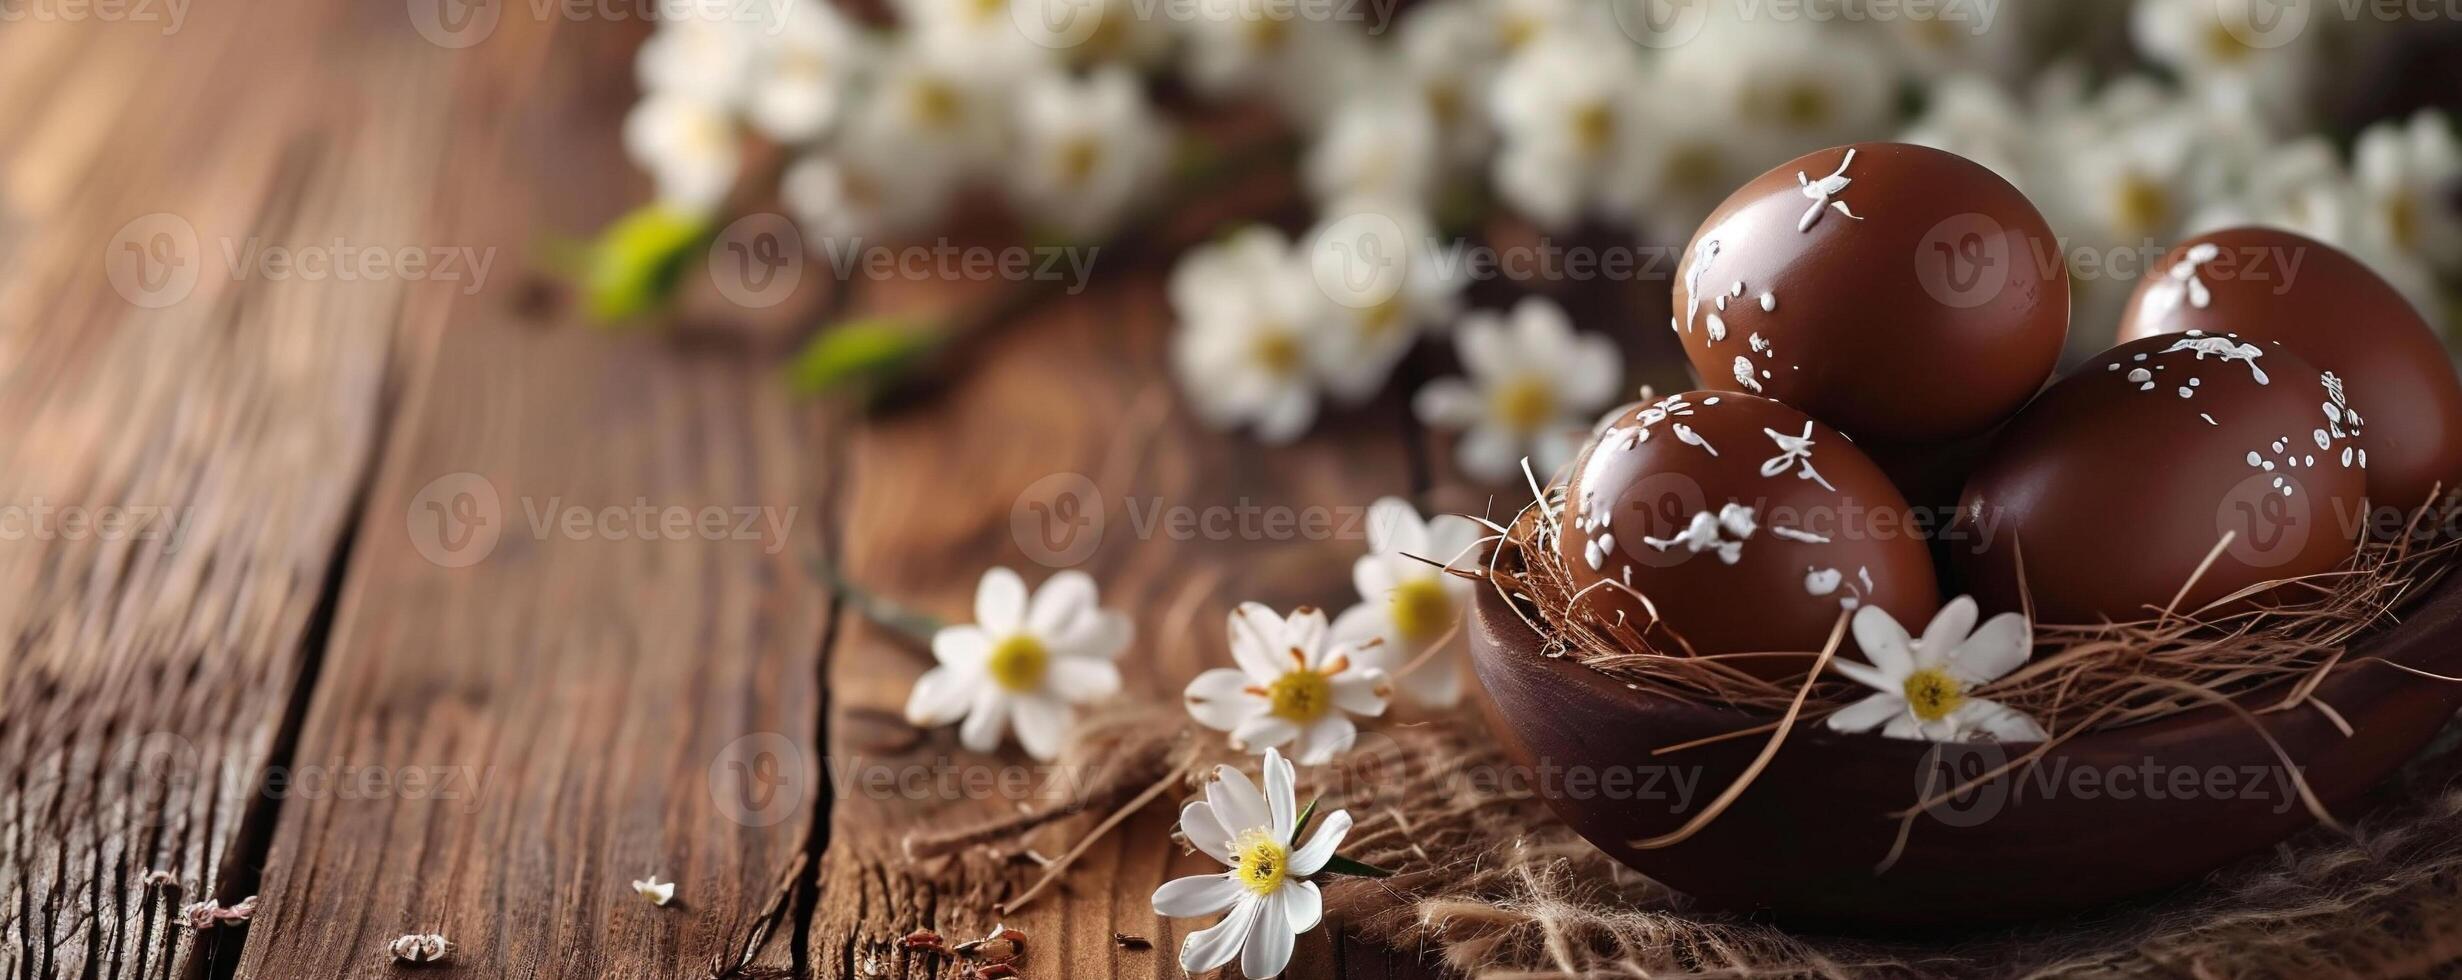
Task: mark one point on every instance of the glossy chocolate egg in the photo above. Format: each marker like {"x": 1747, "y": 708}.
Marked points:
{"x": 2118, "y": 482}
{"x": 1749, "y": 526}
{"x": 2269, "y": 285}
{"x": 1896, "y": 292}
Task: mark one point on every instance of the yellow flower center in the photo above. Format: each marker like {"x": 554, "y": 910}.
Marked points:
{"x": 1377, "y": 321}
{"x": 1594, "y": 127}
{"x": 1267, "y": 33}
{"x": 2402, "y": 221}
{"x": 1694, "y": 166}
{"x": 1018, "y": 664}
{"x": 1078, "y": 157}
{"x": 936, "y": 102}
{"x": 1422, "y": 610}
{"x": 1278, "y": 351}
{"x": 2144, "y": 206}
{"x": 985, "y": 10}
{"x": 1263, "y": 863}
{"x": 1525, "y": 404}
{"x": 1302, "y": 695}
{"x": 1804, "y": 105}
{"x": 1932, "y": 694}
{"x": 2225, "y": 46}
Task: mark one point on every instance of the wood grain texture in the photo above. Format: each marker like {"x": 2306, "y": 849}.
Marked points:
{"x": 149, "y": 667}
{"x": 1078, "y": 392}
{"x": 590, "y": 678}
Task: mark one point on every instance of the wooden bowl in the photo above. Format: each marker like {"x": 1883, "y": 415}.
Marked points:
{"x": 2086, "y": 826}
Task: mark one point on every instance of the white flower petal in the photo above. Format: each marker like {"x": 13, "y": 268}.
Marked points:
{"x": 1947, "y": 629}
{"x": 941, "y": 696}
{"x": 1188, "y": 898}
{"x": 1448, "y": 403}
{"x": 1000, "y": 601}
{"x": 1366, "y": 629}
{"x": 1287, "y": 416}
{"x": 1205, "y": 833}
{"x": 1219, "y": 699}
{"x": 1320, "y": 742}
{"x": 1082, "y": 680}
{"x": 1256, "y": 638}
{"x": 1998, "y": 720}
{"x": 1263, "y": 731}
{"x": 961, "y": 646}
{"x": 1869, "y": 676}
{"x": 1209, "y": 949}
{"x": 1105, "y": 634}
{"x": 1270, "y": 940}
{"x": 1304, "y": 631}
{"x": 1056, "y": 607}
{"x": 1905, "y": 726}
{"x": 985, "y": 724}
{"x": 1865, "y": 715}
{"x": 1998, "y": 647}
{"x": 1303, "y": 905}
{"x": 1884, "y": 642}
{"x": 1236, "y": 801}
{"x": 1374, "y": 577}
{"x": 1042, "y": 725}
{"x": 1364, "y": 692}
{"x": 1394, "y": 527}
{"x": 1310, "y": 858}
{"x": 1439, "y": 683}
{"x": 1489, "y": 454}
{"x": 1281, "y": 795}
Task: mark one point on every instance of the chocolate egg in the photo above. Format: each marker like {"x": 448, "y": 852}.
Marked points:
{"x": 1748, "y": 526}
{"x": 2269, "y": 285}
{"x": 2119, "y": 481}
{"x": 1897, "y": 292}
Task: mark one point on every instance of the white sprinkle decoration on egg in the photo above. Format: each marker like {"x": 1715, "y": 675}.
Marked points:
{"x": 1769, "y": 302}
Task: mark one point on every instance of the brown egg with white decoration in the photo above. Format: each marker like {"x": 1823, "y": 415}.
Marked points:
{"x": 2165, "y": 474}
{"x": 1714, "y": 522}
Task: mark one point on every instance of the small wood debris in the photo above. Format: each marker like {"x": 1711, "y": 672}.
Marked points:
{"x": 427, "y": 948}
{"x": 1001, "y": 945}
{"x": 159, "y": 879}
{"x": 1126, "y": 941}
{"x": 989, "y": 971}
{"x": 206, "y": 915}
{"x": 927, "y": 941}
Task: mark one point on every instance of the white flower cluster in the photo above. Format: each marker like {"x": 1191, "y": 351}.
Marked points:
{"x": 888, "y": 127}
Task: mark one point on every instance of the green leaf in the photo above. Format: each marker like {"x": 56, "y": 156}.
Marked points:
{"x": 1339, "y": 865}
{"x": 1299, "y": 831}
{"x": 633, "y": 266}
{"x": 859, "y": 352}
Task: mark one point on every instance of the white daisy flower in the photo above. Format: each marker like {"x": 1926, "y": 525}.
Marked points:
{"x": 1266, "y": 889}
{"x": 705, "y": 57}
{"x": 1388, "y": 281}
{"x": 805, "y": 73}
{"x": 1026, "y": 660}
{"x": 1406, "y": 604}
{"x": 1448, "y": 52}
{"x": 2410, "y": 180}
{"x": 691, "y": 148}
{"x": 861, "y": 189}
{"x": 655, "y": 891}
{"x": 1780, "y": 89}
{"x": 1534, "y": 386}
{"x": 1923, "y": 684}
{"x": 1289, "y": 53}
{"x": 1974, "y": 117}
{"x": 1088, "y": 149}
{"x": 1252, "y": 335}
{"x": 2237, "y": 56}
{"x": 2299, "y": 186}
{"x": 1569, "y": 108}
{"x": 1381, "y": 144}
{"x": 943, "y": 111}
{"x": 979, "y": 34}
{"x": 1121, "y": 32}
{"x": 1290, "y": 688}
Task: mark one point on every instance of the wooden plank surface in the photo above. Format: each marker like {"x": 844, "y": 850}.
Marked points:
{"x": 1079, "y": 398}
{"x": 149, "y": 669}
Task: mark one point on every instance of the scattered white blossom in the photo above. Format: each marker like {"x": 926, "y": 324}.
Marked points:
{"x": 1407, "y": 604}
{"x": 1266, "y": 888}
{"x": 1924, "y": 685}
{"x": 1291, "y": 687}
{"x": 1378, "y": 145}
{"x": 1251, "y": 346}
{"x": 691, "y": 148}
{"x": 860, "y": 189}
{"x": 658, "y": 892}
{"x": 425, "y": 948}
{"x": 1091, "y": 148}
{"x": 1572, "y": 112}
{"x": 1388, "y": 281}
{"x": 804, "y": 76}
{"x": 1026, "y": 662}
{"x": 705, "y": 57}
{"x": 2410, "y": 188}
{"x": 1533, "y": 387}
